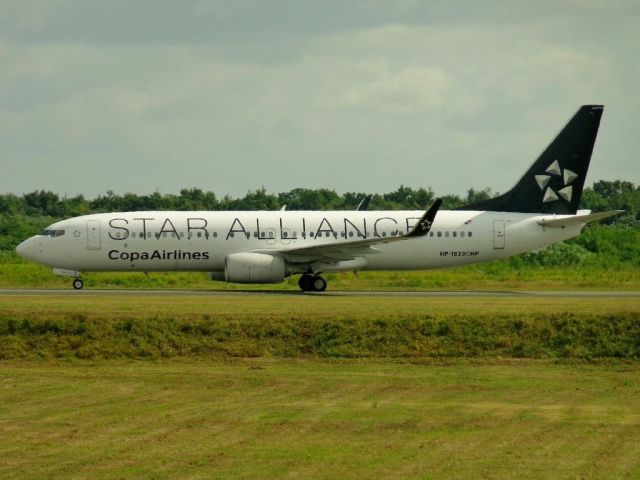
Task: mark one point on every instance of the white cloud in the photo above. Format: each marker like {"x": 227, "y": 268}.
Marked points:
{"x": 407, "y": 91}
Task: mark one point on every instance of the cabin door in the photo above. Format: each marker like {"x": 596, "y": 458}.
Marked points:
{"x": 498, "y": 234}
{"x": 93, "y": 235}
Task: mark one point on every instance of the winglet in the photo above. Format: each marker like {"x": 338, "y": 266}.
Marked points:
{"x": 364, "y": 203}
{"x": 424, "y": 225}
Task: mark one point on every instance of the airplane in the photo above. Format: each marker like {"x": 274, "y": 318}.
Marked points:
{"x": 269, "y": 246}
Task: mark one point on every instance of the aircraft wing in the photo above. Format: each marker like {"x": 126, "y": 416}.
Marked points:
{"x": 572, "y": 220}
{"x": 338, "y": 251}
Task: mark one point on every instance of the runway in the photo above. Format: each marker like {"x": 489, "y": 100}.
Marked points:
{"x": 328, "y": 293}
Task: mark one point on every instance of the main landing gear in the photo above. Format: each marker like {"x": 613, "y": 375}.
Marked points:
{"x": 78, "y": 283}
{"x": 312, "y": 283}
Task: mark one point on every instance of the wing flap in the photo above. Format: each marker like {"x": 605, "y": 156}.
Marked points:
{"x": 325, "y": 253}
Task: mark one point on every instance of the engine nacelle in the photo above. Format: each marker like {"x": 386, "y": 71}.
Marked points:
{"x": 254, "y": 268}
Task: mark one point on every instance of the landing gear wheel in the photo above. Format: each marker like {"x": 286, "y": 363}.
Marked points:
{"x": 319, "y": 284}
{"x": 306, "y": 283}
{"x": 78, "y": 284}
{"x": 312, "y": 283}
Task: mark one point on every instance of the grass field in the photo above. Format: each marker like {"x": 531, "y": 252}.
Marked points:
{"x": 289, "y": 385}
{"x": 319, "y": 419}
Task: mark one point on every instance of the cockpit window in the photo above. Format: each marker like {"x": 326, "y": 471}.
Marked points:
{"x": 52, "y": 233}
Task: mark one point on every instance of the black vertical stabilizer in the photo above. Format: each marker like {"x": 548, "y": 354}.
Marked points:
{"x": 554, "y": 182}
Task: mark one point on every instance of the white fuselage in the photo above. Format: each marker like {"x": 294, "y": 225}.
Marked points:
{"x": 201, "y": 240}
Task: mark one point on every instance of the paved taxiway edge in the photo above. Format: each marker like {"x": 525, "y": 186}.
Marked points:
{"x": 213, "y": 293}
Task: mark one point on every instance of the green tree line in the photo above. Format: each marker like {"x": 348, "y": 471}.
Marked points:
{"x": 603, "y": 195}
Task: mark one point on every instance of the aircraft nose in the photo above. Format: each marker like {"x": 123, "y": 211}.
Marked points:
{"x": 26, "y": 249}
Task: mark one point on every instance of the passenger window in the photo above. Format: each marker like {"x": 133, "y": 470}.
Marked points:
{"x": 351, "y": 234}
{"x": 455, "y": 234}
{"x": 470, "y": 234}
{"x": 439, "y": 234}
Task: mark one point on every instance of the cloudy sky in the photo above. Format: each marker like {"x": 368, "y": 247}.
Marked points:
{"x": 229, "y": 96}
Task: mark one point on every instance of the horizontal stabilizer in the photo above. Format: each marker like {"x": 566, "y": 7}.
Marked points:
{"x": 565, "y": 221}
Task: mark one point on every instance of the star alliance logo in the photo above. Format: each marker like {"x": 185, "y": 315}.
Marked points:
{"x": 567, "y": 177}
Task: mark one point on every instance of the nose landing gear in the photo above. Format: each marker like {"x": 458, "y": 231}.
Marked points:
{"x": 312, "y": 283}
{"x": 77, "y": 281}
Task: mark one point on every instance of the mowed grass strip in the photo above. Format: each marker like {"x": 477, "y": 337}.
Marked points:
{"x": 103, "y": 327}
{"x": 319, "y": 419}
{"x": 285, "y": 305}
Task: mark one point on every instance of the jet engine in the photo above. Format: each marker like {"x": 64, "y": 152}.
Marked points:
{"x": 254, "y": 268}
